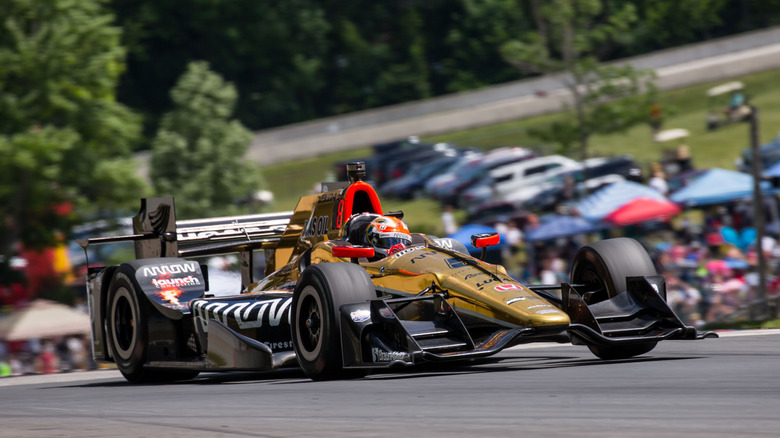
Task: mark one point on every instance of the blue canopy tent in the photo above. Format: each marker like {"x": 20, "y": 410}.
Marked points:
{"x": 561, "y": 226}
{"x": 612, "y": 197}
{"x": 716, "y": 186}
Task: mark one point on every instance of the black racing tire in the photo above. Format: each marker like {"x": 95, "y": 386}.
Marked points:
{"x": 603, "y": 267}
{"x": 127, "y": 333}
{"x": 316, "y": 323}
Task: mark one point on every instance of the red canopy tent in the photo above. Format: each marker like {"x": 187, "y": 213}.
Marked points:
{"x": 641, "y": 210}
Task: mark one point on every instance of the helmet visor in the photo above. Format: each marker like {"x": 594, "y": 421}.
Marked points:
{"x": 387, "y": 240}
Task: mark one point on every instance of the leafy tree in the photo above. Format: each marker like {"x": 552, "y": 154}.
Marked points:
{"x": 571, "y": 37}
{"x": 198, "y": 152}
{"x": 64, "y": 140}
{"x": 475, "y": 31}
{"x": 666, "y": 23}
{"x": 274, "y": 51}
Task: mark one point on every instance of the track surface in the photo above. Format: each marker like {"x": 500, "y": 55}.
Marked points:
{"x": 727, "y": 387}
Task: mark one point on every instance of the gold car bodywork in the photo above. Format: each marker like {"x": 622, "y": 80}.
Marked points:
{"x": 474, "y": 287}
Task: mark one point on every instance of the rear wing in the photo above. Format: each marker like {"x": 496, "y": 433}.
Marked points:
{"x": 157, "y": 233}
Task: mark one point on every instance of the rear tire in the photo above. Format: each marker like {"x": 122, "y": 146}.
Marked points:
{"x": 316, "y": 326}
{"x": 127, "y": 332}
{"x": 603, "y": 267}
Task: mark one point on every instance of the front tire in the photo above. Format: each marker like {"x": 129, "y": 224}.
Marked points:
{"x": 127, "y": 332}
{"x": 316, "y": 325}
{"x": 603, "y": 267}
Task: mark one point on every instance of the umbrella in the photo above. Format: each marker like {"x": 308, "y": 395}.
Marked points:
{"x": 641, "y": 210}
{"x": 561, "y": 226}
{"x": 43, "y": 319}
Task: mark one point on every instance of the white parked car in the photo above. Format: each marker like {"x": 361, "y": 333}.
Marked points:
{"x": 521, "y": 179}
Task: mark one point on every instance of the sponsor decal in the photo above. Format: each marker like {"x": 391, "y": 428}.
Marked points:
{"x": 170, "y": 283}
{"x": 171, "y": 296}
{"x": 542, "y": 312}
{"x": 386, "y": 313}
{"x": 230, "y": 232}
{"x": 444, "y": 243}
{"x": 514, "y": 300}
{"x": 285, "y": 345}
{"x": 539, "y": 305}
{"x": 379, "y": 355}
{"x": 406, "y": 251}
{"x": 316, "y": 226}
{"x": 472, "y": 275}
{"x": 361, "y": 315}
{"x": 481, "y": 285}
{"x": 328, "y": 197}
{"x": 508, "y": 287}
{"x": 247, "y": 314}
{"x": 173, "y": 268}
{"x": 422, "y": 256}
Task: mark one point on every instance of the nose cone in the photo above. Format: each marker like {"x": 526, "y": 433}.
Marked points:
{"x": 532, "y": 311}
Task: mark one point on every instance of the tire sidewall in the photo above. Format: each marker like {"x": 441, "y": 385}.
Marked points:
{"x": 124, "y": 292}
{"x": 329, "y": 285}
{"x": 609, "y": 262}
{"x": 311, "y": 292}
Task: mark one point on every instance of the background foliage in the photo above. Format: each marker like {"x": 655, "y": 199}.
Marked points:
{"x": 64, "y": 139}
{"x": 198, "y": 151}
{"x": 84, "y": 83}
{"x": 296, "y": 60}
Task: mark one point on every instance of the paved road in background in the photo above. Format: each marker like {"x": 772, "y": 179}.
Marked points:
{"x": 727, "y": 387}
{"x": 679, "y": 67}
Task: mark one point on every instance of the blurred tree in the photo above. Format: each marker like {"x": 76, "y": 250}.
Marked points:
{"x": 475, "y": 30}
{"x": 571, "y": 37}
{"x": 64, "y": 140}
{"x": 198, "y": 152}
{"x": 668, "y": 23}
{"x": 274, "y": 51}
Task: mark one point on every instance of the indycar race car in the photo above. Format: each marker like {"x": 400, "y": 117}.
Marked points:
{"x": 346, "y": 289}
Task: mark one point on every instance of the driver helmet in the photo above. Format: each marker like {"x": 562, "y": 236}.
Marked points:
{"x": 386, "y": 234}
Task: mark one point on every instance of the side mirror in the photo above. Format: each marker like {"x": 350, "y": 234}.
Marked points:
{"x": 353, "y": 252}
{"x": 484, "y": 240}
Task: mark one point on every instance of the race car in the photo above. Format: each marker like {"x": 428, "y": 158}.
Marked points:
{"x": 348, "y": 288}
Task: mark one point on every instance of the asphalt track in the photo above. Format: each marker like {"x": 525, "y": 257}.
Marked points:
{"x": 727, "y": 387}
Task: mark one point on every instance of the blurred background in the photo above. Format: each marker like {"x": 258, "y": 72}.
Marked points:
{"x": 553, "y": 122}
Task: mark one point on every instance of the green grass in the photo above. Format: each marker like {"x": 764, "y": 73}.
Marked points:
{"x": 683, "y": 108}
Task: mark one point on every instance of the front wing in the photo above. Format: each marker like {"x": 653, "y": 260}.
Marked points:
{"x": 383, "y": 333}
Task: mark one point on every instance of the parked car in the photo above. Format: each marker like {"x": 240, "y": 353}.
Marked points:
{"x": 464, "y": 165}
{"x": 448, "y": 192}
{"x": 411, "y": 184}
{"x": 396, "y": 167}
{"x": 545, "y": 192}
{"x": 516, "y": 181}
{"x": 490, "y": 213}
{"x": 392, "y": 159}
